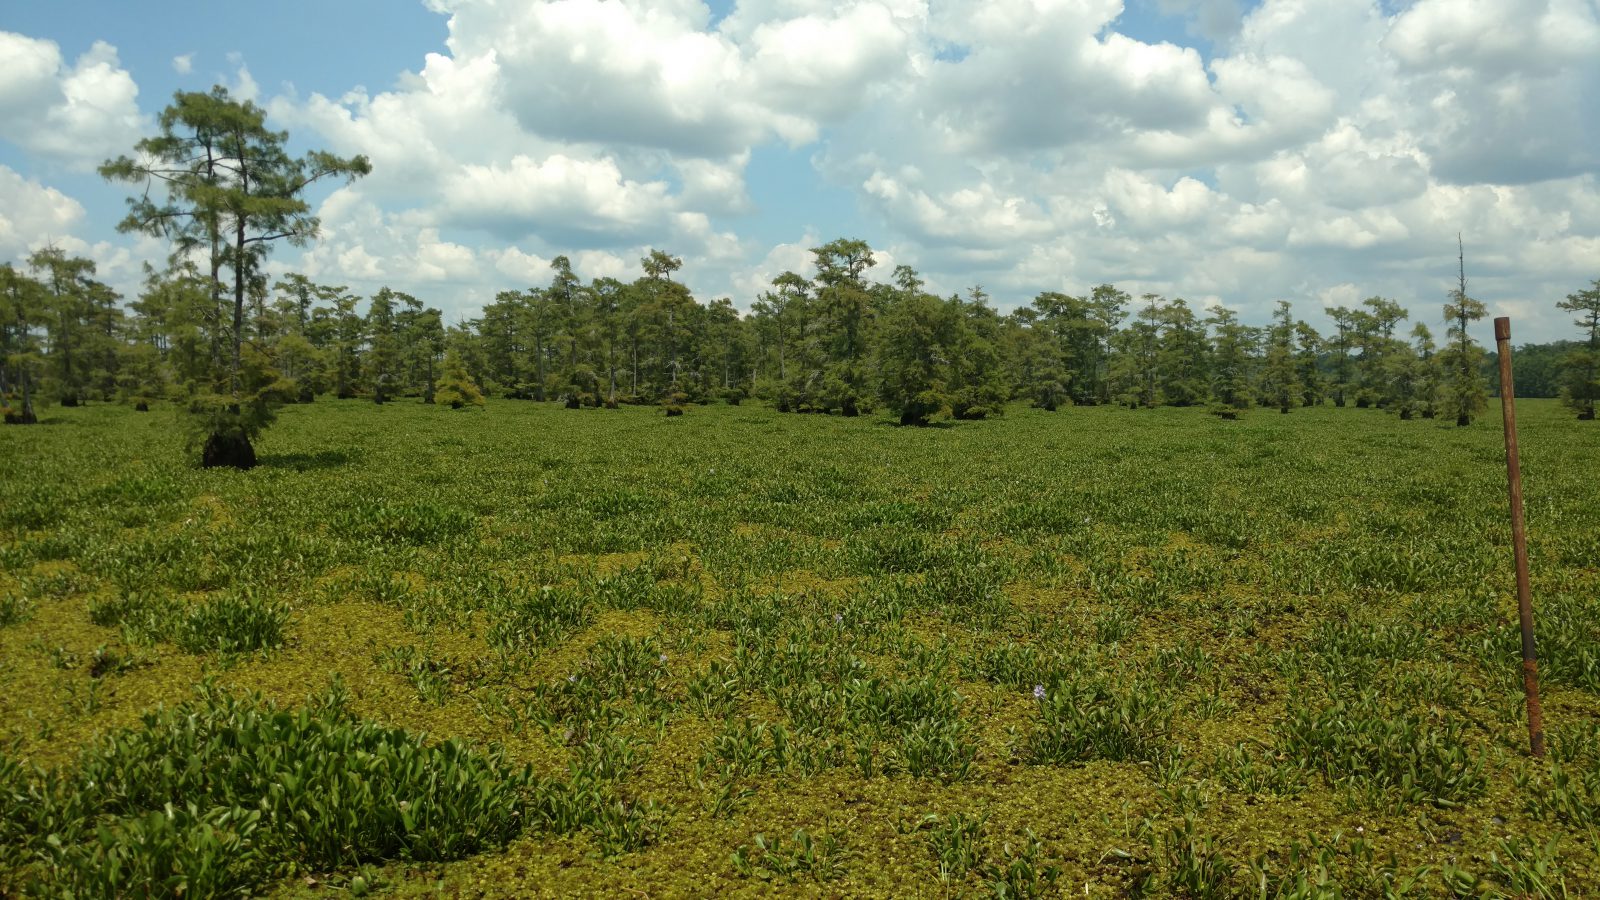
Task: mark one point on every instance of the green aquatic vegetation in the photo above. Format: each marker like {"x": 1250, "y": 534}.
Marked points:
{"x": 231, "y": 623}
{"x": 1019, "y": 871}
{"x": 1255, "y": 770}
{"x": 402, "y": 523}
{"x": 960, "y": 843}
{"x": 1566, "y": 789}
{"x": 1087, "y": 719}
{"x": 1297, "y": 633}
{"x": 14, "y": 608}
{"x": 1526, "y": 869}
{"x": 230, "y": 791}
{"x": 1377, "y": 748}
{"x": 430, "y": 676}
{"x": 536, "y": 617}
{"x": 1192, "y": 863}
{"x": 1334, "y": 868}
{"x": 821, "y": 857}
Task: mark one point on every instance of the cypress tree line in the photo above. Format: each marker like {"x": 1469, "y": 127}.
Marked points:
{"x": 840, "y": 342}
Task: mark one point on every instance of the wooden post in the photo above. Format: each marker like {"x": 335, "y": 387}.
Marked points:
{"x": 1519, "y": 540}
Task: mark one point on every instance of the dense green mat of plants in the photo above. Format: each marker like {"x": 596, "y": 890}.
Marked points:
{"x": 532, "y": 651}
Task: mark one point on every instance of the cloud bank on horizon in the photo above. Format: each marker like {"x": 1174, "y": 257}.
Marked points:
{"x": 1318, "y": 151}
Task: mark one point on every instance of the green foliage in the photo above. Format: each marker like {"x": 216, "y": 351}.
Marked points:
{"x": 1019, "y": 873}
{"x": 455, "y": 385}
{"x": 232, "y": 623}
{"x": 1580, "y": 369}
{"x": 689, "y": 638}
{"x": 231, "y": 189}
{"x": 1380, "y": 750}
{"x": 222, "y": 793}
{"x": 1085, "y": 719}
{"x": 1567, "y": 789}
{"x": 403, "y": 523}
{"x": 14, "y": 608}
{"x": 960, "y": 843}
{"x": 821, "y": 858}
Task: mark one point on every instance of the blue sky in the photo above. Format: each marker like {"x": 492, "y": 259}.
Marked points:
{"x": 1318, "y": 152}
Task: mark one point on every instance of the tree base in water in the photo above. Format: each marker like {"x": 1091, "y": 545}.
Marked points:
{"x": 230, "y": 450}
{"x": 21, "y": 418}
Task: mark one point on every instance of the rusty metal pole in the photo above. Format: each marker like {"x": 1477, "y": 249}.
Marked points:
{"x": 1519, "y": 540}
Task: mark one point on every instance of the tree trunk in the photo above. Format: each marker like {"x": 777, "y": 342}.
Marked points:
{"x": 538, "y": 355}
{"x": 672, "y": 346}
{"x": 238, "y": 298}
{"x": 228, "y": 450}
{"x": 26, "y": 415}
{"x": 1463, "y": 420}
{"x": 611, "y": 372}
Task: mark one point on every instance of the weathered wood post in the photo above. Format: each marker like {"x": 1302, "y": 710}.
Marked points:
{"x": 1519, "y": 540}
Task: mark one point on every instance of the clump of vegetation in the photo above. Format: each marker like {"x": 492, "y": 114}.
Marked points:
{"x": 1087, "y": 719}
{"x": 14, "y": 608}
{"x": 223, "y": 793}
{"x": 456, "y": 388}
{"x": 1377, "y": 748}
{"x": 820, "y": 857}
{"x": 231, "y": 623}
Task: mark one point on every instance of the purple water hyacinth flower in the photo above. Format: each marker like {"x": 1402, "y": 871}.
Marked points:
{"x": 838, "y": 618}
{"x": 1038, "y": 692}
{"x": 663, "y": 659}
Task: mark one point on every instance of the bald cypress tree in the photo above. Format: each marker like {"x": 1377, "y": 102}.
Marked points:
{"x": 1580, "y": 369}
{"x": 231, "y": 190}
{"x": 1462, "y": 359}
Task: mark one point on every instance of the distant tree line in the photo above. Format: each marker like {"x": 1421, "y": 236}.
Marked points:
{"x": 210, "y": 333}
{"x": 837, "y": 342}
